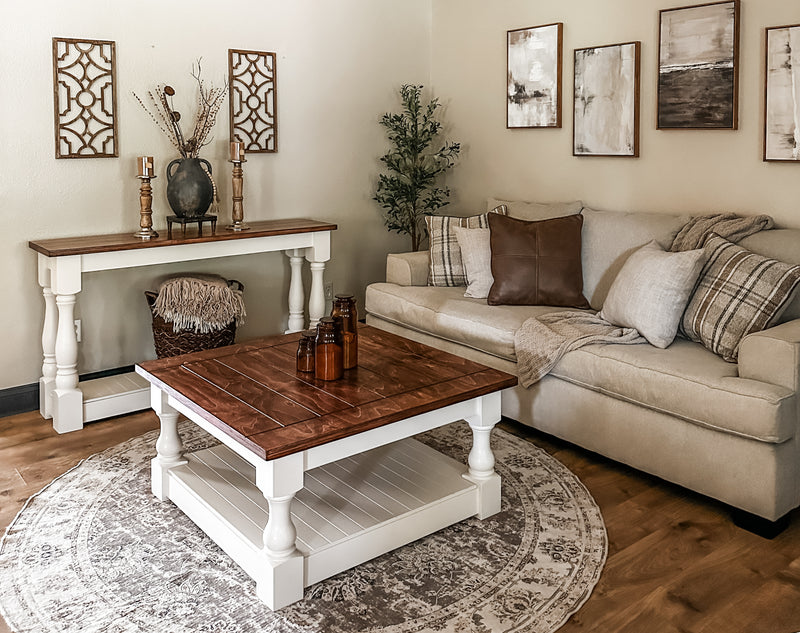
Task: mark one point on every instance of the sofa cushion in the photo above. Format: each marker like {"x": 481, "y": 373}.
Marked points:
{"x": 652, "y": 290}
{"x": 610, "y": 237}
{"x": 536, "y": 263}
{"x": 476, "y": 255}
{"x": 536, "y": 210}
{"x": 446, "y": 268}
{"x": 687, "y": 381}
{"x": 738, "y": 292}
{"x": 783, "y": 245}
{"x": 446, "y": 313}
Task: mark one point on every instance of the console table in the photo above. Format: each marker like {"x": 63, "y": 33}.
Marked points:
{"x": 63, "y": 261}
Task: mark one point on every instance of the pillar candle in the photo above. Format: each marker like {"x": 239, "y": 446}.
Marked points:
{"x": 237, "y": 150}
{"x": 145, "y": 165}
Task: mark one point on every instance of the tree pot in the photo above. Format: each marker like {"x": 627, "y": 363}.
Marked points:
{"x": 189, "y": 188}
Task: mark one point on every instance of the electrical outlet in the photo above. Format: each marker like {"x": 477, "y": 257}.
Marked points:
{"x": 77, "y": 323}
{"x": 329, "y": 291}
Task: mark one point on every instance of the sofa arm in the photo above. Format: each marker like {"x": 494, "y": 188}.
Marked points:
{"x": 773, "y": 355}
{"x": 407, "y": 269}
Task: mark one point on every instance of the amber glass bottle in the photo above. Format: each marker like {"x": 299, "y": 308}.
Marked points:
{"x": 328, "y": 352}
{"x": 305, "y": 351}
{"x": 344, "y": 306}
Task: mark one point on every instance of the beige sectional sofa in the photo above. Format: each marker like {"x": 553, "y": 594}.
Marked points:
{"x": 726, "y": 430}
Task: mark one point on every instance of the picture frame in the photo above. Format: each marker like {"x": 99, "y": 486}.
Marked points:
{"x": 606, "y": 100}
{"x": 252, "y": 85}
{"x": 533, "y": 71}
{"x": 698, "y": 66}
{"x": 782, "y": 93}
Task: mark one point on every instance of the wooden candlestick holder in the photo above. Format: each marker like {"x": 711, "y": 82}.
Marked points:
{"x": 146, "y": 230}
{"x": 237, "y": 210}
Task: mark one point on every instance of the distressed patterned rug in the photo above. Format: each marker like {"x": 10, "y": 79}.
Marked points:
{"x": 95, "y": 551}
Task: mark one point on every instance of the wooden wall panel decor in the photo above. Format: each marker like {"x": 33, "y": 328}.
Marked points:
{"x": 85, "y": 98}
{"x": 252, "y": 81}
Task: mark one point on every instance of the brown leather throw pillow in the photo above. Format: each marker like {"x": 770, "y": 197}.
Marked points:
{"x": 536, "y": 263}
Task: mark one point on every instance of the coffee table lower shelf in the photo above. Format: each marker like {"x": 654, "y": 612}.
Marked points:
{"x": 348, "y": 511}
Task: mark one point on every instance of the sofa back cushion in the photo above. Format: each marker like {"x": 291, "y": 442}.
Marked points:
{"x": 610, "y": 237}
{"x": 783, "y": 245}
{"x": 523, "y": 210}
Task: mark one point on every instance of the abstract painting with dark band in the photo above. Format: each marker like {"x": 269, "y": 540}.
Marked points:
{"x": 697, "y": 67}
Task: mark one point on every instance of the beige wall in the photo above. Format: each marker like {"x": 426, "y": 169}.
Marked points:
{"x": 696, "y": 171}
{"x": 339, "y": 66}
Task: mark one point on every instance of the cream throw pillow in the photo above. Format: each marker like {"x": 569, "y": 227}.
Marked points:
{"x": 476, "y": 255}
{"x": 651, "y": 291}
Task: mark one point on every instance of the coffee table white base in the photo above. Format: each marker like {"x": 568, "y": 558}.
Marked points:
{"x": 296, "y": 520}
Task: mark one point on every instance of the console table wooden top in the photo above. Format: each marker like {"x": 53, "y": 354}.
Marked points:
{"x": 65, "y": 246}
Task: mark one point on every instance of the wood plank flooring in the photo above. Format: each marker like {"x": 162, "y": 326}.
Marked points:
{"x": 676, "y": 562}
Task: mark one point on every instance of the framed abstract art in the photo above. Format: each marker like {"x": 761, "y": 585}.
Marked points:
{"x": 698, "y": 66}
{"x": 534, "y": 77}
{"x": 782, "y": 94}
{"x": 606, "y": 103}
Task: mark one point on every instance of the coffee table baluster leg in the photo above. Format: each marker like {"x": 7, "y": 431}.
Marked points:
{"x": 281, "y": 580}
{"x": 169, "y": 446}
{"x": 481, "y": 458}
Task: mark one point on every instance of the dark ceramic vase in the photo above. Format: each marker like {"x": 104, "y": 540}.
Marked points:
{"x": 189, "y": 189}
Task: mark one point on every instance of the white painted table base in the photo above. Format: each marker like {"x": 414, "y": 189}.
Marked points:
{"x": 69, "y": 403}
{"x": 276, "y": 519}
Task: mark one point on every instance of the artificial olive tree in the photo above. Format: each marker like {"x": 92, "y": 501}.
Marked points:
{"x": 415, "y": 162}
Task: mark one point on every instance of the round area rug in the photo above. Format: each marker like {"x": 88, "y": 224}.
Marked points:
{"x": 95, "y": 551}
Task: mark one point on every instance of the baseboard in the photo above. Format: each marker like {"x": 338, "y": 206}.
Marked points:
{"x": 25, "y": 398}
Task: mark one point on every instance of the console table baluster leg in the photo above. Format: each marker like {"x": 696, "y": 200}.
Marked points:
{"x": 297, "y": 297}
{"x": 67, "y": 401}
{"x": 316, "y": 301}
{"x": 169, "y": 447}
{"x": 49, "y": 332}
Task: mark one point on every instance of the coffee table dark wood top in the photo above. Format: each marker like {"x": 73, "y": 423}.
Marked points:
{"x": 253, "y": 393}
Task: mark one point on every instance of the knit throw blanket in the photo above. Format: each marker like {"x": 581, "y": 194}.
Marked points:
{"x": 727, "y": 225}
{"x": 199, "y": 303}
{"x": 541, "y": 341}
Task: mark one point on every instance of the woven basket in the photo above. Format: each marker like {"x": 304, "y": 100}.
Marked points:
{"x": 169, "y": 343}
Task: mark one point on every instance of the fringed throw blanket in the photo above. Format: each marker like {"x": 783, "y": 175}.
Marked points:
{"x": 199, "y": 303}
{"x": 541, "y": 341}
{"x": 727, "y": 225}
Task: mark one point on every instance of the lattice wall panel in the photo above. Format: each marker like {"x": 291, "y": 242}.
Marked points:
{"x": 252, "y": 82}
{"x": 85, "y": 101}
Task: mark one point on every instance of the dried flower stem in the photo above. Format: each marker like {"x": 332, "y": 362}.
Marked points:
{"x": 167, "y": 119}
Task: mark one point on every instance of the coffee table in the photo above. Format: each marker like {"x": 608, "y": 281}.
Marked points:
{"x": 312, "y": 477}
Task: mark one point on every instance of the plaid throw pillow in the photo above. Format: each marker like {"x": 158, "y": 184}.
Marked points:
{"x": 738, "y": 292}
{"x": 446, "y": 267}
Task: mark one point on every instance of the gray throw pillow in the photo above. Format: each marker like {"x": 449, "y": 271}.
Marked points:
{"x": 651, "y": 291}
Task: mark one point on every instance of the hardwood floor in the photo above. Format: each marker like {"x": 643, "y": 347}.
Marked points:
{"x": 676, "y": 562}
